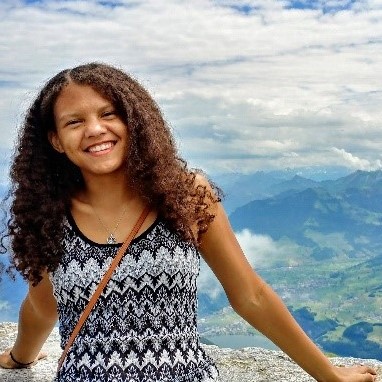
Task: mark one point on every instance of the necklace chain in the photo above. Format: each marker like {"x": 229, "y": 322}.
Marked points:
{"x": 111, "y": 238}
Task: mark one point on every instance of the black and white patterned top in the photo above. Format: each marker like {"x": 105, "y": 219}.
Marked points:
{"x": 143, "y": 327}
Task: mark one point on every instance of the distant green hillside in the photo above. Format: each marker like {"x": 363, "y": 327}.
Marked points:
{"x": 332, "y": 279}
{"x": 296, "y": 213}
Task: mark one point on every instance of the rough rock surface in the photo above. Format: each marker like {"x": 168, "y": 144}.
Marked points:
{"x": 248, "y": 364}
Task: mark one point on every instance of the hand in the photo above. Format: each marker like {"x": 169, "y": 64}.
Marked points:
{"x": 355, "y": 374}
{"x": 7, "y": 363}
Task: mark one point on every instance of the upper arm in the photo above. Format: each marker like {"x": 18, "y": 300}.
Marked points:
{"x": 222, "y": 252}
{"x": 42, "y": 299}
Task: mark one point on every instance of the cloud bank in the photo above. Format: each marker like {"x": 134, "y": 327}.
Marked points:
{"x": 261, "y": 251}
{"x": 245, "y": 85}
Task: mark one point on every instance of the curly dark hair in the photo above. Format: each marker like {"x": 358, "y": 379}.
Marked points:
{"x": 44, "y": 181}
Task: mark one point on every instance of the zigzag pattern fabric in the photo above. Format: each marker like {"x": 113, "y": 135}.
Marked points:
{"x": 143, "y": 327}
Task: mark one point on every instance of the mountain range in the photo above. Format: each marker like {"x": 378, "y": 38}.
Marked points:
{"x": 329, "y": 273}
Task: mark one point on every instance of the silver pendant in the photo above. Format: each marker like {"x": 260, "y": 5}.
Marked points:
{"x": 111, "y": 239}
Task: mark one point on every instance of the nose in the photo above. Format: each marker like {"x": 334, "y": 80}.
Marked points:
{"x": 94, "y": 127}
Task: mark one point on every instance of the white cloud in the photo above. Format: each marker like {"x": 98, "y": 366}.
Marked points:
{"x": 261, "y": 251}
{"x": 4, "y": 304}
{"x": 244, "y": 90}
{"x": 358, "y": 163}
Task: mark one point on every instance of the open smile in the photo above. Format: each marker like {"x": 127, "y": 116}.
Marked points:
{"x": 104, "y": 146}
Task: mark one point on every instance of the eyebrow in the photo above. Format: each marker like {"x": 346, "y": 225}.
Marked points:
{"x": 66, "y": 116}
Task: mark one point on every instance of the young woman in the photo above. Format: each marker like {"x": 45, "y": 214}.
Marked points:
{"x": 93, "y": 153}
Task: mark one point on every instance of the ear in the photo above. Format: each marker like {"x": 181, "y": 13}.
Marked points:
{"x": 55, "y": 141}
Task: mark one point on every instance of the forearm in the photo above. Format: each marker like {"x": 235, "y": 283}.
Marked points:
{"x": 269, "y": 315}
{"x": 33, "y": 330}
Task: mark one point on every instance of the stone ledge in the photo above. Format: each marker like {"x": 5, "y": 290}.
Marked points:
{"x": 244, "y": 365}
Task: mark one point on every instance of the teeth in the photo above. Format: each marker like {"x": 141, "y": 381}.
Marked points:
{"x": 101, "y": 147}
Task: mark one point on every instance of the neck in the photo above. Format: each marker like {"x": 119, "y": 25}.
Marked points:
{"x": 107, "y": 192}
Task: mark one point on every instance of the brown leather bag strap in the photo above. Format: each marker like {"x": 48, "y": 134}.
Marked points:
{"x": 102, "y": 285}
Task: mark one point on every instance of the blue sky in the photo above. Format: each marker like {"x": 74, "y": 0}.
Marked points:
{"x": 245, "y": 85}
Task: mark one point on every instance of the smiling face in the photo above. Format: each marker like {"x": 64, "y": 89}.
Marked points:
{"x": 89, "y": 131}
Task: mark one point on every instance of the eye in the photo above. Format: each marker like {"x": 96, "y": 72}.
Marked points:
{"x": 73, "y": 122}
{"x": 109, "y": 114}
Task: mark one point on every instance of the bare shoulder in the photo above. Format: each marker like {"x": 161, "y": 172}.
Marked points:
{"x": 205, "y": 198}
{"x": 212, "y": 194}
{"x": 201, "y": 180}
